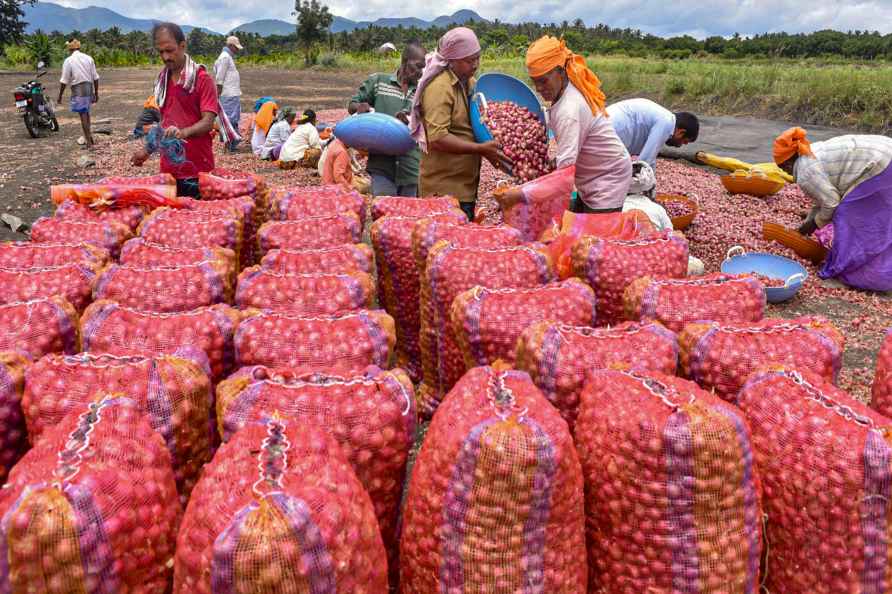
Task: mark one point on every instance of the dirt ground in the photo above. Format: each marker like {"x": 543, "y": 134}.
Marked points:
{"x": 30, "y": 165}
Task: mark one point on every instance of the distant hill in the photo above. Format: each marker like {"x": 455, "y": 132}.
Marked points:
{"x": 339, "y": 24}
{"x": 48, "y": 16}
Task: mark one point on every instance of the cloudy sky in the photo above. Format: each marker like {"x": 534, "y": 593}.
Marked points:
{"x": 661, "y": 17}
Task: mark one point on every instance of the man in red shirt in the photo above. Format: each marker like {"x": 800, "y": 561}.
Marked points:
{"x": 187, "y": 98}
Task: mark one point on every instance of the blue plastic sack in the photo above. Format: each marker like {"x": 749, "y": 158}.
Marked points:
{"x": 376, "y": 133}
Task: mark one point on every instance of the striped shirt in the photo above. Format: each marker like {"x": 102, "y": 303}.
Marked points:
{"x": 839, "y": 165}
{"x": 385, "y": 94}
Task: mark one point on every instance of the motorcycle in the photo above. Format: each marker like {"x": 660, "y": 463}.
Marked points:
{"x": 35, "y": 108}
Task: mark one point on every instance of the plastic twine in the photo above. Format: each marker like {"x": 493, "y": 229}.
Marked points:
{"x": 173, "y": 148}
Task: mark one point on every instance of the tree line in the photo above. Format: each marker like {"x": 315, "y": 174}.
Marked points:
{"x": 312, "y": 38}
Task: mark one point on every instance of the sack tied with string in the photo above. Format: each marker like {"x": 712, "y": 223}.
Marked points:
{"x": 35, "y": 328}
{"x": 28, "y": 254}
{"x": 313, "y": 201}
{"x": 108, "y": 235}
{"x": 308, "y": 294}
{"x": 173, "y": 391}
{"x": 348, "y": 257}
{"x": 279, "y": 510}
{"x": 495, "y": 500}
{"x": 73, "y": 282}
{"x": 825, "y": 460}
{"x": 723, "y": 356}
{"x": 310, "y": 232}
{"x": 559, "y": 356}
{"x": 673, "y": 497}
{"x": 92, "y": 508}
{"x": 403, "y": 206}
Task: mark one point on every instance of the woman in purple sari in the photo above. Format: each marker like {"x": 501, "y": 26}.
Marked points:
{"x": 849, "y": 179}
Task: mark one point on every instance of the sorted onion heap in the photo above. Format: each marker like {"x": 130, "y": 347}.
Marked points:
{"x": 523, "y": 138}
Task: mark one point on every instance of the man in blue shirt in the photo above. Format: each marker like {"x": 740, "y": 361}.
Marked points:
{"x": 644, "y": 127}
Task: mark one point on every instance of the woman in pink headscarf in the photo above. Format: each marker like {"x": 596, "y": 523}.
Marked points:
{"x": 441, "y": 122}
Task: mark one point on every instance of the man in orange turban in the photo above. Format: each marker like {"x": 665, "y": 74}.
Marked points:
{"x": 585, "y": 138}
{"x": 789, "y": 146}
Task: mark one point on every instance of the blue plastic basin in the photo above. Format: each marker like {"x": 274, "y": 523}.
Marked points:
{"x": 776, "y": 267}
{"x": 375, "y": 133}
{"x": 495, "y": 86}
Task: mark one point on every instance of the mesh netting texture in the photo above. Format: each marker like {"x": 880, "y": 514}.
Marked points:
{"x": 673, "y": 499}
{"x": 310, "y": 232}
{"x": 74, "y": 282}
{"x": 35, "y": 328}
{"x": 882, "y": 382}
{"x": 105, "y": 234}
{"x": 313, "y": 201}
{"x": 495, "y": 500}
{"x": 355, "y": 257}
{"x": 383, "y": 206}
{"x": 13, "y": 435}
{"x": 27, "y": 254}
{"x": 305, "y": 294}
{"x": 166, "y": 289}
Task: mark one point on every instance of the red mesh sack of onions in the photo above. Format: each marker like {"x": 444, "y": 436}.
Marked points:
{"x": 130, "y": 215}
{"x": 280, "y": 510}
{"x": 27, "y": 254}
{"x": 371, "y": 415}
{"x": 141, "y": 253}
{"x": 173, "y": 391}
{"x": 523, "y": 138}
{"x": 677, "y": 302}
{"x": 108, "y": 327}
{"x": 314, "y": 201}
{"x": 165, "y": 289}
{"x": 92, "y": 508}
{"x": 495, "y": 499}
{"x": 881, "y": 399}
{"x": 310, "y": 233}
{"x": 160, "y": 179}
{"x": 348, "y": 257}
{"x": 224, "y": 184}
{"x": 346, "y": 343}
{"x": 108, "y": 235}
{"x": 559, "y": 357}
{"x": 451, "y": 271}
{"x": 13, "y": 436}
{"x": 304, "y": 294}
{"x": 399, "y": 282}
{"x": 247, "y": 210}
{"x": 673, "y": 499}
{"x": 824, "y": 459}
{"x": 74, "y": 282}
{"x": 488, "y": 322}
{"x": 543, "y": 203}
{"x": 194, "y": 228}
{"x": 722, "y": 356}
{"x": 609, "y": 266}
{"x": 35, "y": 328}
{"x": 402, "y": 206}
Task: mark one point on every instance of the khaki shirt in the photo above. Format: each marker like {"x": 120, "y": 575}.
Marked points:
{"x": 445, "y": 110}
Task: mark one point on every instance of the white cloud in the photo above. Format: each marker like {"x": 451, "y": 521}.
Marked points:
{"x": 670, "y": 17}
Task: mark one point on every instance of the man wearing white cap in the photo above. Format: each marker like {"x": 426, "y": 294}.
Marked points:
{"x": 229, "y": 83}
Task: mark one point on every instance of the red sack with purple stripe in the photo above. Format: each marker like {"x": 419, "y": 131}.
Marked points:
{"x": 399, "y": 281}
{"x": 304, "y": 294}
{"x": 372, "y": 415}
{"x": 173, "y": 391}
{"x": 130, "y": 215}
{"x": 310, "y": 233}
{"x": 348, "y": 257}
{"x": 826, "y": 462}
{"x": 495, "y": 500}
{"x": 73, "y": 282}
{"x": 106, "y": 234}
{"x": 92, "y": 508}
{"x": 673, "y": 497}
{"x": 27, "y": 254}
{"x": 246, "y": 209}
{"x": 609, "y": 266}
{"x": 13, "y": 433}
{"x": 559, "y": 357}
{"x": 165, "y": 289}
{"x": 140, "y": 253}
{"x": 488, "y": 322}
{"x": 279, "y": 510}
{"x": 410, "y": 206}
{"x": 38, "y": 327}
{"x": 676, "y": 302}
{"x": 345, "y": 343}
{"x": 314, "y": 201}
{"x": 882, "y": 382}
{"x": 194, "y": 228}
{"x": 723, "y": 356}
{"x": 108, "y": 327}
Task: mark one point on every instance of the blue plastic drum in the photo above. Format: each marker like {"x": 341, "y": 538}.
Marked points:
{"x": 500, "y": 87}
{"x": 777, "y": 267}
{"x": 375, "y": 133}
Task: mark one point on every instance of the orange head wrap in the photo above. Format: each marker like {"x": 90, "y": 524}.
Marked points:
{"x": 790, "y": 143}
{"x": 150, "y": 103}
{"x": 547, "y": 53}
{"x": 266, "y": 115}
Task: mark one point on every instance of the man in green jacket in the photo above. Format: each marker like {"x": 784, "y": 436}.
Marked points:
{"x": 392, "y": 94}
